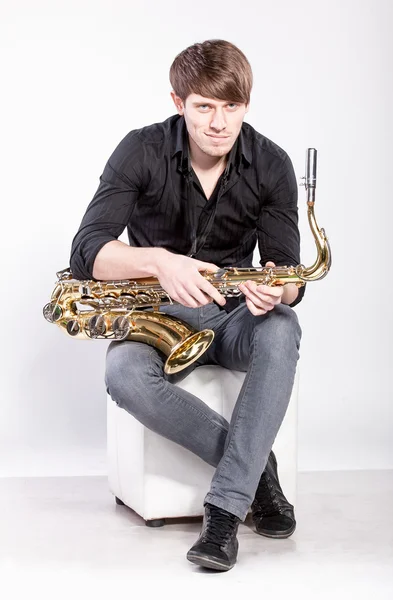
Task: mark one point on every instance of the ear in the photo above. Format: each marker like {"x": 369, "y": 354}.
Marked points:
{"x": 247, "y": 107}
{"x": 178, "y": 103}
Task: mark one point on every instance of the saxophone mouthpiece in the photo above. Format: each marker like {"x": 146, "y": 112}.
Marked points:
{"x": 311, "y": 168}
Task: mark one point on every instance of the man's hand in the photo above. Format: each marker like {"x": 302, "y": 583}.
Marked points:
{"x": 261, "y": 298}
{"x": 180, "y": 277}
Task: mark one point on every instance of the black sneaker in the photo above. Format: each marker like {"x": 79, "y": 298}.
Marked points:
{"x": 217, "y": 546}
{"x": 272, "y": 514}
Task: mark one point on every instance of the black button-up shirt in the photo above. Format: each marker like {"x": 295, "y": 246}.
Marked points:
{"x": 149, "y": 186}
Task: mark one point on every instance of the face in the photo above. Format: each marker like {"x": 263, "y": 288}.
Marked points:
{"x": 213, "y": 125}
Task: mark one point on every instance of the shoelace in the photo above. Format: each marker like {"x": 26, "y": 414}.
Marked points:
{"x": 219, "y": 526}
{"x": 266, "y": 501}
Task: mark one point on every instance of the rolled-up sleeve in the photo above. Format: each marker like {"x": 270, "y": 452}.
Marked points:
{"x": 110, "y": 210}
{"x": 277, "y": 227}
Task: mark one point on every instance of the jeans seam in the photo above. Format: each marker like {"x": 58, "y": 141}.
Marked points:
{"x": 187, "y": 404}
{"x": 239, "y": 416}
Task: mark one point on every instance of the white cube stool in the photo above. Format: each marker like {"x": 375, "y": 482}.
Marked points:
{"x": 160, "y": 479}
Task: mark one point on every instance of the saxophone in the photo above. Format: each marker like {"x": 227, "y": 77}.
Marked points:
{"x": 129, "y": 309}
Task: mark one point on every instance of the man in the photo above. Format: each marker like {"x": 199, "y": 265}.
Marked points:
{"x": 197, "y": 192}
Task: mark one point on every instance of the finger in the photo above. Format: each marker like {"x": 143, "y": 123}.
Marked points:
{"x": 204, "y": 266}
{"x": 253, "y": 309}
{"x": 186, "y": 299}
{"x": 269, "y": 300}
{"x": 266, "y": 304}
{"x": 211, "y": 291}
{"x": 199, "y": 295}
{"x": 270, "y": 264}
{"x": 268, "y": 290}
{"x": 261, "y": 301}
{"x": 273, "y": 292}
{"x": 251, "y": 291}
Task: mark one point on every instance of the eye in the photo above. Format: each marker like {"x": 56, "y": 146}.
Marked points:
{"x": 203, "y": 107}
{"x": 232, "y": 105}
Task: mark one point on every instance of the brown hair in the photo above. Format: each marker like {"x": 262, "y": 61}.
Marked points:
{"x": 213, "y": 69}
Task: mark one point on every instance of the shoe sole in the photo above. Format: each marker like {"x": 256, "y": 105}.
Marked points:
{"x": 203, "y": 560}
{"x": 279, "y": 535}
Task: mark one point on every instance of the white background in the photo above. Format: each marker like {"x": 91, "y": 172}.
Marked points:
{"x": 76, "y": 76}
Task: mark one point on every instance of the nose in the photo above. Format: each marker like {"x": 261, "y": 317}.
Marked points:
{"x": 218, "y": 122}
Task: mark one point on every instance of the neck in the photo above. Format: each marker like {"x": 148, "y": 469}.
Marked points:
{"x": 203, "y": 162}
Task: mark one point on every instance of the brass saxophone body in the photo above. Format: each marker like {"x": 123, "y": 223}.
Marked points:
{"x": 129, "y": 309}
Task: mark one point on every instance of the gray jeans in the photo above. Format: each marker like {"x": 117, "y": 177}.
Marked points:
{"x": 265, "y": 347}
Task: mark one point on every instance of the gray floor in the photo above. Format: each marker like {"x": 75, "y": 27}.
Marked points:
{"x": 66, "y": 537}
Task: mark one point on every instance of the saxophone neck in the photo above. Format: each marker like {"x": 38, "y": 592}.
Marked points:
{"x": 323, "y": 261}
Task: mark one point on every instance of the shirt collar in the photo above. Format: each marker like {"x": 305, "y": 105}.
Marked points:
{"x": 179, "y": 146}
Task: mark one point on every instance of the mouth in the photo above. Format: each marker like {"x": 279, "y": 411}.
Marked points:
{"x": 217, "y": 137}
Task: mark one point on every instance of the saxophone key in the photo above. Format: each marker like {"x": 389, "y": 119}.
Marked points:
{"x": 73, "y": 327}
{"x": 96, "y": 326}
{"x": 52, "y": 312}
{"x": 121, "y": 328}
